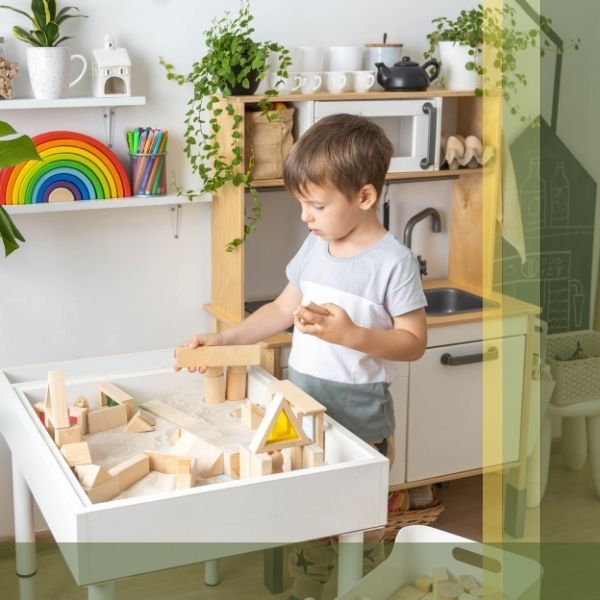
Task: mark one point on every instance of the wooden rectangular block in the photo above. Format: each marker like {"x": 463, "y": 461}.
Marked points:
{"x": 218, "y": 356}
{"x": 231, "y": 463}
{"x": 207, "y": 455}
{"x": 312, "y": 456}
{"x": 260, "y": 464}
{"x": 117, "y": 395}
{"x": 107, "y": 490}
{"x": 77, "y": 454}
{"x": 105, "y": 418}
{"x": 251, "y": 414}
{"x": 166, "y": 411}
{"x": 58, "y": 399}
{"x": 424, "y": 583}
{"x": 131, "y": 470}
{"x": 68, "y": 435}
{"x": 244, "y": 462}
{"x": 165, "y": 462}
{"x": 80, "y": 414}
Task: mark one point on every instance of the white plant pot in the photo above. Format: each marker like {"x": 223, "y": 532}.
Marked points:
{"x": 49, "y": 71}
{"x": 454, "y": 75}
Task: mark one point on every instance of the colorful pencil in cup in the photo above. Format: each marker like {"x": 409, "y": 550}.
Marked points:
{"x": 148, "y": 154}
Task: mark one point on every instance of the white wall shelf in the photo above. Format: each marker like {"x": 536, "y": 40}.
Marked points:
{"x": 79, "y": 205}
{"x": 84, "y": 102}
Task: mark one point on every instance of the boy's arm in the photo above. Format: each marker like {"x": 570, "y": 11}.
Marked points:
{"x": 406, "y": 341}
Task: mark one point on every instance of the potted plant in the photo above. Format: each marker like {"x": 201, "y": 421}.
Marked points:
{"x": 460, "y": 43}
{"x": 13, "y": 151}
{"x": 234, "y": 63}
{"x": 47, "y": 61}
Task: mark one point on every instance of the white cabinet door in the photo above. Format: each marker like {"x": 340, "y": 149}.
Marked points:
{"x": 445, "y": 406}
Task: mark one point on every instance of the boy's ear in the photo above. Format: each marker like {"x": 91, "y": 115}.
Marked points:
{"x": 367, "y": 196}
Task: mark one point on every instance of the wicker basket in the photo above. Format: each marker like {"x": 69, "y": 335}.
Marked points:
{"x": 576, "y": 380}
{"x": 416, "y": 516}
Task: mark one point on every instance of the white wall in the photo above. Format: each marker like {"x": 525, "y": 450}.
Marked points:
{"x": 117, "y": 281}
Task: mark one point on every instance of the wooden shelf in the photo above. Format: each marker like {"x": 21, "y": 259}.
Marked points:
{"x": 411, "y": 176}
{"x": 79, "y": 205}
{"x": 83, "y": 102}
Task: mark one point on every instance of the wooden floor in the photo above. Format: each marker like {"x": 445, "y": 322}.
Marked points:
{"x": 569, "y": 514}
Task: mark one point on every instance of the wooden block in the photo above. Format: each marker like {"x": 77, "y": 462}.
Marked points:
{"x": 57, "y": 392}
{"x": 68, "y": 435}
{"x": 217, "y": 356}
{"x": 468, "y": 582}
{"x": 409, "y": 592}
{"x": 276, "y": 461}
{"x": 165, "y": 411}
{"x": 207, "y": 456}
{"x": 439, "y": 575}
{"x": 39, "y": 408}
{"x": 105, "y": 418}
{"x": 80, "y": 414}
{"x": 109, "y": 391}
{"x": 251, "y": 414}
{"x": 312, "y": 456}
{"x": 478, "y": 592}
{"x": 244, "y": 460}
{"x": 424, "y": 583}
{"x": 91, "y": 475}
{"x": 302, "y": 403}
{"x": 104, "y": 491}
{"x": 77, "y": 454}
{"x": 165, "y": 462}
{"x": 183, "y": 478}
{"x": 260, "y": 464}
{"x": 81, "y": 402}
{"x": 448, "y": 590}
{"x": 231, "y": 463}
{"x": 295, "y": 458}
{"x": 131, "y": 470}
{"x": 139, "y": 424}
{"x": 235, "y": 385}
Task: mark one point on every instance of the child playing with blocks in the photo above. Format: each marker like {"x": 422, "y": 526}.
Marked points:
{"x": 354, "y": 297}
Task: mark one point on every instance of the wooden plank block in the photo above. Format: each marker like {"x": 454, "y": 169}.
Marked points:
{"x": 108, "y": 417}
{"x": 68, "y": 435}
{"x": 131, "y": 470}
{"x": 91, "y": 475}
{"x": 109, "y": 391}
{"x": 171, "y": 414}
{"x": 217, "y": 356}
{"x": 302, "y": 403}
{"x": 77, "y": 454}
{"x": 57, "y": 392}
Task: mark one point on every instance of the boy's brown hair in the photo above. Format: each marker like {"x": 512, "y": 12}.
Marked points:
{"x": 346, "y": 151}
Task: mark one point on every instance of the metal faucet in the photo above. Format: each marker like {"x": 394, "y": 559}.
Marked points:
{"x": 436, "y": 227}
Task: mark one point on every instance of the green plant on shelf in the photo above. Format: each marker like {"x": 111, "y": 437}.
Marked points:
{"x": 234, "y": 64}
{"x": 13, "y": 151}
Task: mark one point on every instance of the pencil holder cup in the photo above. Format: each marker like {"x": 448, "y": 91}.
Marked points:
{"x": 148, "y": 174}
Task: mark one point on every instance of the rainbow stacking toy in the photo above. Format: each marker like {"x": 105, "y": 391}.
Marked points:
{"x": 73, "y": 167}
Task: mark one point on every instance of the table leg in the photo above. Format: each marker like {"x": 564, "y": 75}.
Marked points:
{"x": 574, "y": 442}
{"x": 538, "y": 464}
{"x": 24, "y": 527}
{"x": 102, "y": 591}
{"x": 350, "y": 560}
{"x": 211, "y": 572}
{"x": 273, "y": 569}
{"x": 593, "y": 425}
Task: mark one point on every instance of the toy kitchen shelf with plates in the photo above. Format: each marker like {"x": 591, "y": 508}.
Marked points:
{"x": 130, "y": 535}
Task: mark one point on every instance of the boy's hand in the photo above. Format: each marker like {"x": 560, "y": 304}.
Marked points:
{"x": 334, "y": 327}
{"x": 203, "y": 339}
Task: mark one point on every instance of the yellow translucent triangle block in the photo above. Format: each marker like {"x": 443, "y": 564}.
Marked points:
{"x": 283, "y": 430}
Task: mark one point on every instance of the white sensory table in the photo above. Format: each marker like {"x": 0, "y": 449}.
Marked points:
{"x": 122, "y": 537}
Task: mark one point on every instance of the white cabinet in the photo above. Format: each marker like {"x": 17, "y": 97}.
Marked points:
{"x": 445, "y": 408}
{"x": 399, "y": 391}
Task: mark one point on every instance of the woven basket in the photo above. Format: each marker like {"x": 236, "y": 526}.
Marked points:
{"x": 417, "y": 516}
{"x": 576, "y": 380}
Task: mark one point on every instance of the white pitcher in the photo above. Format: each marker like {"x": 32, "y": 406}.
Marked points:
{"x": 49, "y": 71}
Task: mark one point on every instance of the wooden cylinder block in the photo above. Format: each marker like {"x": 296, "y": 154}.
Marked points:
{"x": 448, "y": 590}
{"x": 277, "y": 462}
{"x": 236, "y": 383}
{"x": 214, "y": 385}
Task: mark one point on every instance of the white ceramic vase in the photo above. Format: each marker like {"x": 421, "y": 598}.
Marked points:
{"x": 49, "y": 71}
{"x": 454, "y": 74}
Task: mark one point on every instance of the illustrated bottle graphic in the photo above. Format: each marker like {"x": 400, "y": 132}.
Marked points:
{"x": 533, "y": 196}
{"x": 559, "y": 194}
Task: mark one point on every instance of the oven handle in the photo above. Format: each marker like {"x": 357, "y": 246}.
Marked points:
{"x": 430, "y": 110}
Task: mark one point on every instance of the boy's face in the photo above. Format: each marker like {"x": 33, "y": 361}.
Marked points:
{"x": 329, "y": 214}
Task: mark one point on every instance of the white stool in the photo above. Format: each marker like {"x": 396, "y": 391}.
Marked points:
{"x": 580, "y": 430}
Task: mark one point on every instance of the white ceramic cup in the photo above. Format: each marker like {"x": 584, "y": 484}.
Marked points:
{"x": 311, "y": 82}
{"x": 311, "y": 59}
{"x": 362, "y": 81}
{"x": 344, "y": 58}
{"x": 335, "y": 81}
{"x": 49, "y": 71}
{"x": 286, "y": 85}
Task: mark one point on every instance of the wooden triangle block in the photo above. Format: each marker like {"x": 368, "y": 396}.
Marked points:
{"x": 280, "y": 428}
{"x": 139, "y": 424}
{"x": 91, "y": 475}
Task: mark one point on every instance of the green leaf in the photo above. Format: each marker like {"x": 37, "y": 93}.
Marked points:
{"x": 15, "y": 150}
{"x": 21, "y": 12}
{"x": 9, "y": 233}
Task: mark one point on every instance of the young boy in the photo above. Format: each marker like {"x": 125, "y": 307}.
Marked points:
{"x": 367, "y": 283}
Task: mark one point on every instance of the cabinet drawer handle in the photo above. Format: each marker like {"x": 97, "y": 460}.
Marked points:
{"x": 456, "y": 361}
{"x": 430, "y": 110}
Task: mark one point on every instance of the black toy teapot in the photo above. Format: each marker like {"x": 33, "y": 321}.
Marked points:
{"x": 407, "y": 75}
